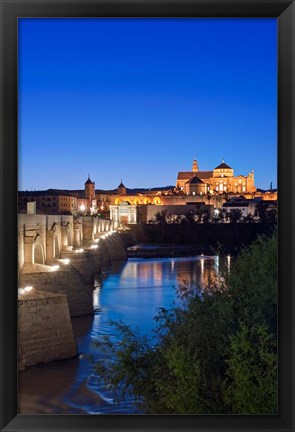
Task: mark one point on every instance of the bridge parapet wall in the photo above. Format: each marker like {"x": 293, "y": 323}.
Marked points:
{"x": 88, "y": 225}
{"x": 41, "y": 238}
{"x": 104, "y": 225}
{"x": 93, "y": 226}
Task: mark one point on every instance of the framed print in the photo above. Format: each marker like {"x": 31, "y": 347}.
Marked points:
{"x": 147, "y": 234}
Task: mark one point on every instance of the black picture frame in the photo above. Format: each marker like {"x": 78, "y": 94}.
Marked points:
{"x": 10, "y": 12}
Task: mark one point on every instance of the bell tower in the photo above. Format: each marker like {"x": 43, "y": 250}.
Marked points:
{"x": 89, "y": 189}
{"x": 121, "y": 189}
{"x": 195, "y": 167}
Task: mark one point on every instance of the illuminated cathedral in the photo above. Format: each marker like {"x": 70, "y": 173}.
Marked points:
{"x": 220, "y": 180}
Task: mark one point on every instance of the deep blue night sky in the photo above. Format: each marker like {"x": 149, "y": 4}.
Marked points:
{"x": 141, "y": 98}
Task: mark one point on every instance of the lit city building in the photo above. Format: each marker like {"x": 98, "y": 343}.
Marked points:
{"x": 216, "y": 189}
{"x": 220, "y": 180}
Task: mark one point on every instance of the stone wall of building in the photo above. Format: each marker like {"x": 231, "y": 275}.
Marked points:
{"x": 44, "y": 329}
{"x": 216, "y": 200}
{"x": 148, "y": 212}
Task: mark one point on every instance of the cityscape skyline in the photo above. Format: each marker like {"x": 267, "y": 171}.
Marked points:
{"x": 139, "y": 99}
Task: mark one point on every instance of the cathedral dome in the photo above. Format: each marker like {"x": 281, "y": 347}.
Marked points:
{"x": 223, "y": 170}
{"x": 223, "y": 166}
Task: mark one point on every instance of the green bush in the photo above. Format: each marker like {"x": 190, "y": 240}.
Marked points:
{"x": 252, "y": 372}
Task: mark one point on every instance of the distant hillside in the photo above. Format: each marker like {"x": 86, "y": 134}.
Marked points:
{"x": 80, "y": 192}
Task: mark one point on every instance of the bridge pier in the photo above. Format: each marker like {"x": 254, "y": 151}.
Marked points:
{"x": 29, "y": 248}
{"x": 77, "y": 233}
{"x": 88, "y": 230}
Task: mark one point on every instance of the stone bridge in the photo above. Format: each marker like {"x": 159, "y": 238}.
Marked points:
{"x": 59, "y": 261}
{"x": 43, "y": 238}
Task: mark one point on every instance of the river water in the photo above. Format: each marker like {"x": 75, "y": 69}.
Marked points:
{"x": 130, "y": 291}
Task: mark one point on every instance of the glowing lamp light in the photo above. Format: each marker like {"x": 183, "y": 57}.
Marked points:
{"x": 22, "y": 291}
{"x": 80, "y": 250}
{"x": 82, "y": 207}
{"x": 65, "y": 261}
{"x": 96, "y": 241}
{"x": 94, "y": 246}
{"x": 55, "y": 267}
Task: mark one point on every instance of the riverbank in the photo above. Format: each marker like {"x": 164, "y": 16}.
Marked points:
{"x": 204, "y": 237}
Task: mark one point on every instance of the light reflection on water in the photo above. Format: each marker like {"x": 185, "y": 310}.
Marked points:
{"x": 129, "y": 291}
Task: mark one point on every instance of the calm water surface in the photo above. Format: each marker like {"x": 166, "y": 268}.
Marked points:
{"x": 130, "y": 291}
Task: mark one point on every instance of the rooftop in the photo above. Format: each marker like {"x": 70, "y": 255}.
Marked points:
{"x": 88, "y": 181}
{"x": 223, "y": 166}
{"x": 195, "y": 180}
{"x": 184, "y": 175}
